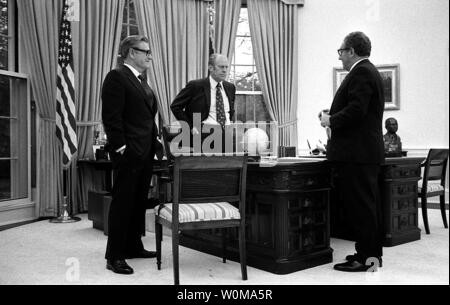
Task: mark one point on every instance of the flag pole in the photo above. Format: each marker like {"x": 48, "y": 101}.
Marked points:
{"x": 67, "y": 195}
{"x": 65, "y": 107}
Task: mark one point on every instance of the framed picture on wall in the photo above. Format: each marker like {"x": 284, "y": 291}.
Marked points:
{"x": 391, "y": 80}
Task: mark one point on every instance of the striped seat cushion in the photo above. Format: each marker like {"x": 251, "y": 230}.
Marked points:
{"x": 194, "y": 212}
{"x": 431, "y": 187}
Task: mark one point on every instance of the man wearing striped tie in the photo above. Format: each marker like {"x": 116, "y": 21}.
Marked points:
{"x": 129, "y": 108}
{"x": 211, "y": 98}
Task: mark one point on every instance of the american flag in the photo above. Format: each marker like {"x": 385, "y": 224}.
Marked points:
{"x": 65, "y": 93}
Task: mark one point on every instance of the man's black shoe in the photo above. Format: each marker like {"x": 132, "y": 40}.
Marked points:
{"x": 142, "y": 254}
{"x": 353, "y": 266}
{"x": 352, "y": 258}
{"x": 119, "y": 266}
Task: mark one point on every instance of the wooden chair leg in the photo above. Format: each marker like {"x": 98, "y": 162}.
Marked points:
{"x": 158, "y": 233}
{"x": 425, "y": 214}
{"x": 224, "y": 245}
{"x": 176, "y": 271}
{"x": 444, "y": 214}
{"x": 242, "y": 252}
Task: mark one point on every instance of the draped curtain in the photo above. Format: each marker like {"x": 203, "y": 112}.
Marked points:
{"x": 274, "y": 28}
{"x": 96, "y": 43}
{"x": 38, "y": 26}
{"x": 178, "y": 34}
{"x": 225, "y": 26}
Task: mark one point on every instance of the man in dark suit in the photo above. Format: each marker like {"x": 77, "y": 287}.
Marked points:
{"x": 357, "y": 151}
{"x": 211, "y": 99}
{"x": 129, "y": 108}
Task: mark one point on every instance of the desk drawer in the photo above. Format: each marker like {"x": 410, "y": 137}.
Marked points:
{"x": 408, "y": 189}
{"x": 288, "y": 180}
{"x": 404, "y": 222}
{"x": 399, "y": 204}
{"x": 306, "y": 241}
{"x": 402, "y": 171}
{"x": 308, "y": 200}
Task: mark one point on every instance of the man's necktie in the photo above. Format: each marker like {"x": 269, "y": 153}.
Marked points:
{"x": 220, "y": 109}
{"x": 143, "y": 79}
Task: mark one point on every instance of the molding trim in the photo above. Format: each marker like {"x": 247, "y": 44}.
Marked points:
{"x": 18, "y": 212}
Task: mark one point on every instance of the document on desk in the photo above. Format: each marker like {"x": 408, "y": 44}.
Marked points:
{"x": 288, "y": 160}
{"x": 293, "y": 160}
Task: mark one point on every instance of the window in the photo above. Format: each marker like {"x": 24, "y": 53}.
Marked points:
{"x": 15, "y": 182}
{"x": 129, "y": 25}
{"x": 249, "y": 99}
{"x": 7, "y": 33}
{"x": 14, "y": 137}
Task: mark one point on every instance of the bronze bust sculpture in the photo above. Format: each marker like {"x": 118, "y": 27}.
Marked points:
{"x": 392, "y": 142}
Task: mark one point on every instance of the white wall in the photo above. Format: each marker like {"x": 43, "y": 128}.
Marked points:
{"x": 412, "y": 33}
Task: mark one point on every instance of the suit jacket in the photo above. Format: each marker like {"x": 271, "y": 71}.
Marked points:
{"x": 128, "y": 114}
{"x": 196, "y": 98}
{"x": 356, "y": 117}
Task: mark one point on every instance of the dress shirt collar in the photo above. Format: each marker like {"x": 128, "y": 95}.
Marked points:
{"x": 213, "y": 83}
{"x": 135, "y": 72}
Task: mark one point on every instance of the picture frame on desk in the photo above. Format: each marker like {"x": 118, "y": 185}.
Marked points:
{"x": 391, "y": 80}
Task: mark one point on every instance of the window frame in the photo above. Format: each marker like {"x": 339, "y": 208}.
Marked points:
{"x": 14, "y": 204}
{"x": 233, "y": 66}
{"x": 126, "y": 21}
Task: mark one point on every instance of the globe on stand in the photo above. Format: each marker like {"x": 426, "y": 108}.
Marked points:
{"x": 255, "y": 141}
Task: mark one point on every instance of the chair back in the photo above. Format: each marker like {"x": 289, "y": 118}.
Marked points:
{"x": 168, "y": 135}
{"x": 204, "y": 179}
{"x": 435, "y": 167}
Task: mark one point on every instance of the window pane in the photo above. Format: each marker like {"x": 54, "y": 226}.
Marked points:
{"x": 256, "y": 82}
{"x": 14, "y": 138}
{"x": 4, "y": 17}
{"x": 5, "y": 180}
{"x": 4, "y": 97}
{"x": 3, "y": 55}
{"x": 132, "y": 13}
{"x": 124, "y": 33}
{"x": 125, "y": 13}
{"x": 134, "y": 30}
{"x": 5, "y": 138}
{"x": 244, "y": 78}
{"x": 243, "y": 25}
{"x": 244, "y": 51}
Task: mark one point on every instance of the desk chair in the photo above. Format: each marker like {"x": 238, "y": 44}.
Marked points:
{"x": 434, "y": 169}
{"x": 208, "y": 192}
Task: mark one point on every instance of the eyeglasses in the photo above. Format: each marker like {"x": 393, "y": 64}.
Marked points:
{"x": 147, "y": 52}
{"x": 340, "y": 51}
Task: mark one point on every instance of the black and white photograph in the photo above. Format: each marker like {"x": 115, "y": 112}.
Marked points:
{"x": 224, "y": 150}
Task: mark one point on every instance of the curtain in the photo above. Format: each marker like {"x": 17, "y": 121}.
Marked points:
{"x": 38, "y": 26}
{"x": 178, "y": 34}
{"x": 274, "y": 28}
{"x": 96, "y": 40}
{"x": 225, "y": 26}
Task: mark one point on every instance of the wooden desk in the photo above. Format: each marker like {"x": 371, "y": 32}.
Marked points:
{"x": 398, "y": 184}
{"x": 99, "y": 201}
{"x": 287, "y": 219}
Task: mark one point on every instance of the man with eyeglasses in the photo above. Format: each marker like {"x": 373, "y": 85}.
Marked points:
{"x": 128, "y": 114}
{"x": 356, "y": 150}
